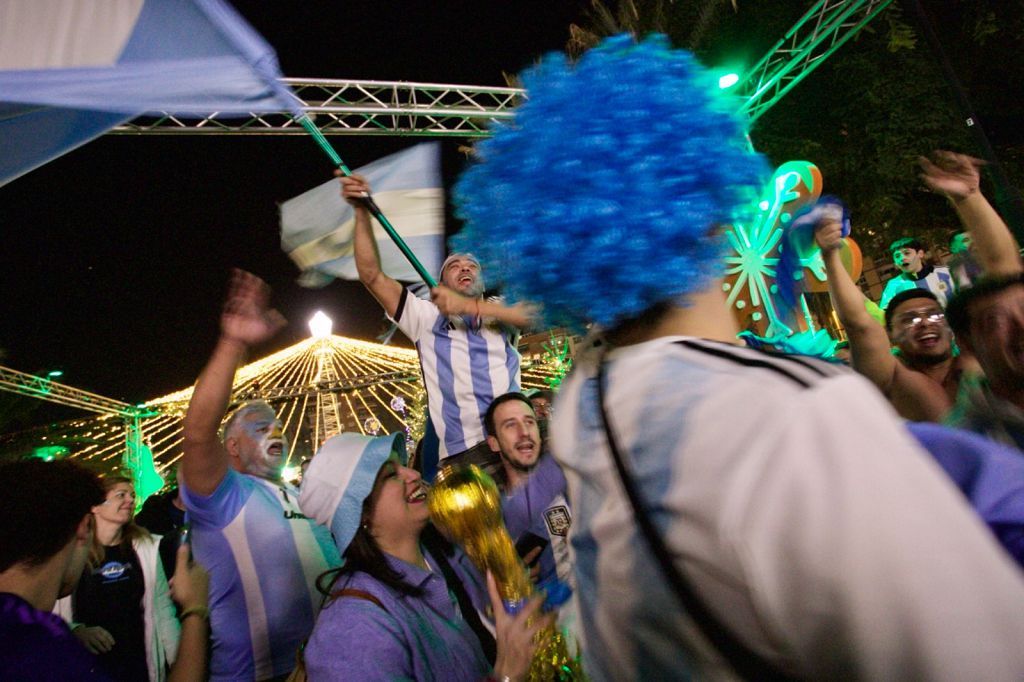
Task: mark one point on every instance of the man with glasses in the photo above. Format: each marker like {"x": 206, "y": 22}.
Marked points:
{"x": 922, "y": 378}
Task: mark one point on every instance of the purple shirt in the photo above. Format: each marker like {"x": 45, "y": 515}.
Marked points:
{"x": 38, "y": 645}
{"x": 538, "y": 506}
{"x": 410, "y": 638}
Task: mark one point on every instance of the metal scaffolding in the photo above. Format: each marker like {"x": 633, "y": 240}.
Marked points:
{"x": 821, "y": 31}
{"x": 358, "y": 107}
{"x": 362, "y": 107}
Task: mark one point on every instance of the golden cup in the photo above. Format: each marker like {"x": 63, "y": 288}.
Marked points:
{"x": 465, "y": 504}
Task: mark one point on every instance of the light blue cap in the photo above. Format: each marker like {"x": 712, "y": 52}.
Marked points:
{"x": 340, "y": 477}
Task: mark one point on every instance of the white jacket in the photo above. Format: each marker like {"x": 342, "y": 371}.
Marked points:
{"x": 162, "y": 628}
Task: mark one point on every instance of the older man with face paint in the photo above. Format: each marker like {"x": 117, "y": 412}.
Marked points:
{"x": 466, "y": 344}
{"x": 263, "y": 554}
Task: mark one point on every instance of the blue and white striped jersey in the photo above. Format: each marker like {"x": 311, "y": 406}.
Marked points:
{"x": 937, "y": 280}
{"x": 263, "y": 556}
{"x": 804, "y": 515}
{"x": 464, "y": 368}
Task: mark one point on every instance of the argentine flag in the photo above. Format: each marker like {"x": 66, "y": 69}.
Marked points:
{"x": 72, "y": 69}
{"x": 317, "y": 226}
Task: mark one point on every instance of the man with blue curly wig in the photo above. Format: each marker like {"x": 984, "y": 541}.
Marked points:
{"x": 737, "y": 513}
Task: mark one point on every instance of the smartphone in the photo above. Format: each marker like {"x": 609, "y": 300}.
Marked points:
{"x": 185, "y": 534}
{"x": 528, "y": 542}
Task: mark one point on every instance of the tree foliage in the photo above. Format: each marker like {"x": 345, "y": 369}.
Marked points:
{"x": 868, "y": 112}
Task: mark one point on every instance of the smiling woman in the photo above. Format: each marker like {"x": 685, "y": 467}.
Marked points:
{"x": 406, "y": 604}
{"x": 121, "y": 609}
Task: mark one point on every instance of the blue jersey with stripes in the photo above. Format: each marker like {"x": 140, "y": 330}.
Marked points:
{"x": 793, "y": 500}
{"x": 263, "y": 556}
{"x": 937, "y": 280}
{"x": 465, "y": 366}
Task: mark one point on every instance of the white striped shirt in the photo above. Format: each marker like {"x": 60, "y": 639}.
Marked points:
{"x": 803, "y": 514}
{"x": 263, "y": 556}
{"x": 464, "y": 368}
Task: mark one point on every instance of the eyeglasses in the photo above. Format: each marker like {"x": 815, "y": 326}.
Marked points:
{"x": 910, "y": 322}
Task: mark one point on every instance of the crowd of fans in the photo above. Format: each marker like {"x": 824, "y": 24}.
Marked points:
{"x": 862, "y": 522}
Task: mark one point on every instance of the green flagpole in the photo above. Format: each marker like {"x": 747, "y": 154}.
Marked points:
{"x": 307, "y": 123}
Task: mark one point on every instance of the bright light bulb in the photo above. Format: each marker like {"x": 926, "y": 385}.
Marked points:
{"x": 728, "y": 80}
{"x": 320, "y": 325}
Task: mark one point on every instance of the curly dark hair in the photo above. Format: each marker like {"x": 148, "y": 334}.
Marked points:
{"x": 43, "y": 504}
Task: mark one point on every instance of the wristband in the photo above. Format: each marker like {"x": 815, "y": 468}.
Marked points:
{"x": 201, "y": 611}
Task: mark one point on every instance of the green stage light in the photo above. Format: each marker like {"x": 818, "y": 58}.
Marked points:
{"x": 728, "y": 80}
{"x": 48, "y": 453}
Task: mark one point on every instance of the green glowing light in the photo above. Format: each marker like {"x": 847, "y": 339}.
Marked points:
{"x": 48, "y": 453}
{"x": 728, "y": 80}
{"x": 55, "y": 374}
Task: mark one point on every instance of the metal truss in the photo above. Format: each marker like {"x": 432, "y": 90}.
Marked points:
{"x": 45, "y": 388}
{"x": 360, "y": 107}
{"x": 356, "y": 107}
{"x": 821, "y": 31}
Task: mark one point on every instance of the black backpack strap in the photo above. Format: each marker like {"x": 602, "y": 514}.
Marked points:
{"x": 435, "y": 544}
{"x": 744, "y": 661}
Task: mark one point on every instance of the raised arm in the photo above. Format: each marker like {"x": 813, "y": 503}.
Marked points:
{"x": 869, "y": 344}
{"x": 246, "y": 321}
{"x": 956, "y": 176}
{"x": 190, "y": 588}
{"x": 387, "y": 291}
{"x": 450, "y": 302}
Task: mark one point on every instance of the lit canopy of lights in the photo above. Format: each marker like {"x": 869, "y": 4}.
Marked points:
{"x": 319, "y": 387}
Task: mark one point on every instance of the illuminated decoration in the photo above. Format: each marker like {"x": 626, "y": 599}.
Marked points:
{"x": 48, "y": 453}
{"x": 728, "y": 80}
{"x": 556, "y": 360}
{"x": 818, "y": 343}
{"x": 319, "y": 387}
{"x": 320, "y": 325}
{"x": 751, "y": 264}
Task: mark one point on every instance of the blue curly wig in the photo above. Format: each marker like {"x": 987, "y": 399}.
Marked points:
{"x": 600, "y": 198}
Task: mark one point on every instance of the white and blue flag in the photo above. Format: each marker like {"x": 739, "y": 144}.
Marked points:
{"x": 72, "y": 69}
{"x": 317, "y": 226}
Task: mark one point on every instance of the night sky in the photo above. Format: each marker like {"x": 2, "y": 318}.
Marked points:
{"x": 116, "y": 256}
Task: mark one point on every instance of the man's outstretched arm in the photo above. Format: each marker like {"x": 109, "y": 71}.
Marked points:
{"x": 246, "y": 321}
{"x": 449, "y": 302}
{"x": 956, "y": 176}
{"x": 869, "y": 344}
{"x": 386, "y": 290}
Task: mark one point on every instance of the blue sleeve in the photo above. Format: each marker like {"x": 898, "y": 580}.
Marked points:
{"x": 524, "y": 507}
{"x": 989, "y": 474}
{"x": 354, "y": 639}
{"x": 220, "y": 507}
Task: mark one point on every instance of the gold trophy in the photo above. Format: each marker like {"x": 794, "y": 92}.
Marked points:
{"x": 465, "y": 505}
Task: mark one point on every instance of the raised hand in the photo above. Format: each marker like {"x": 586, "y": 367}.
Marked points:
{"x": 828, "y": 234}
{"x": 248, "y": 318}
{"x": 516, "y": 636}
{"x": 955, "y": 175}
{"x": 190, "y": 586}
{"x": 353, "y": 188}
{"x": 450, "y": 302}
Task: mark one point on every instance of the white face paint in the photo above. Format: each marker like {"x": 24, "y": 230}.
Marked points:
{"x": 263, "y": 448}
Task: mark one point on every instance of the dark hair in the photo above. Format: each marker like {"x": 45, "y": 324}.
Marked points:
{"x": 492, "y": 428}
{"x": 43, "y": 504}
{"x": 907, "y": 242}
{"x": 129, "y": 532}
{"x": 958, "y": 312}
{"x": 905, "y": 295}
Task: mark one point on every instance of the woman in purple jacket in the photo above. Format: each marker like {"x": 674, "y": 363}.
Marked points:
{"x": 406, "y": 604}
